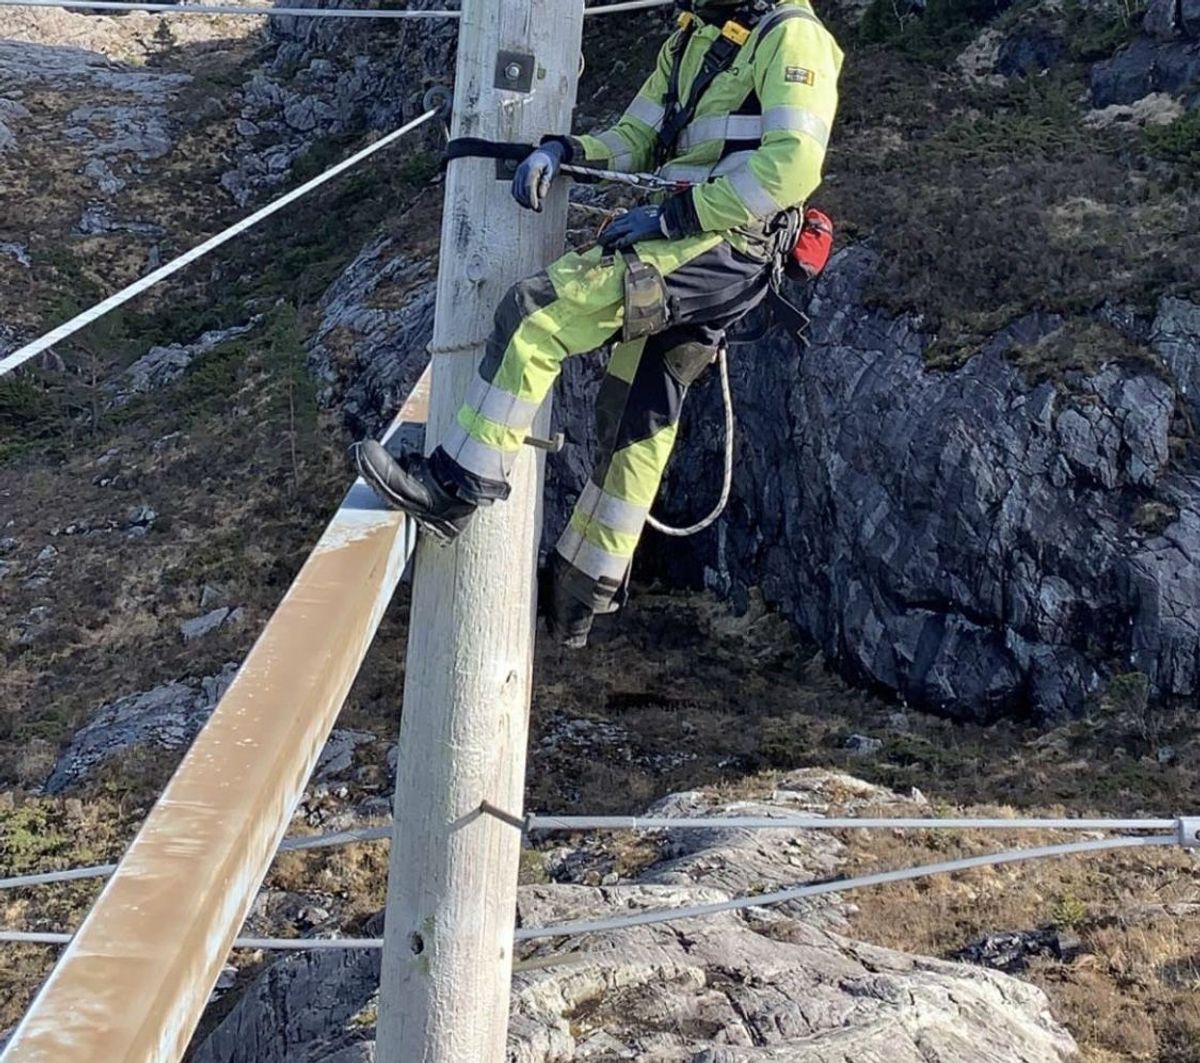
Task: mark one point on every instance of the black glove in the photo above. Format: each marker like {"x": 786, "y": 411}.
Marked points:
{"x": 641, "y": 223}
{"x": 536, "y": 174}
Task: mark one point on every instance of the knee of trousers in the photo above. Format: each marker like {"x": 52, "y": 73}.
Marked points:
{"x": 521, "y": 302}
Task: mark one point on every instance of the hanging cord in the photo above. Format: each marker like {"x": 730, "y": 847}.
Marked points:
{"x": 727, "y": 488}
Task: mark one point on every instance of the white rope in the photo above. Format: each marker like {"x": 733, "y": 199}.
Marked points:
{"x": 624, "y": 922}
{"x": 292, "y": 12}
{"x": 727, "y": 486}
{"x": 289, "y": 845}
{"x": 573, "y": 823}
{"x": 81, "y": 321}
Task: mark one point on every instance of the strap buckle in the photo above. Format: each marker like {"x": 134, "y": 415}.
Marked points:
{"x": 734, "y": 31}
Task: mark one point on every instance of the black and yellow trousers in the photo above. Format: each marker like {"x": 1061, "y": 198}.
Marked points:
{"x": 578, "y": 305}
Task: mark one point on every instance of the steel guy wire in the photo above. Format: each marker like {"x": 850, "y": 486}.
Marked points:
{"x": 26, "y": 937}
{"x": 611, "y": 823}
{"x": 670, "y": 915}
{"x": 88, "y": 317}
{"x": 293, "y": 12}
{"x": 550, "y": 824}
{"x": 289, "y": 845}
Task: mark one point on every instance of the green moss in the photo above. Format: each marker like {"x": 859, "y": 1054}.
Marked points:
{"x": 28, "y": 414}
{"x": 29, "y": 838}
{"x": 1178, "y": 142}
{"x": 1094, "y": 32}
{"x": 1082, "y": 346}
{"x": 934, "y": 36}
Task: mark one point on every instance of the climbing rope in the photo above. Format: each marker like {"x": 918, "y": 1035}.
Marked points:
{"x": 93, "y": 314}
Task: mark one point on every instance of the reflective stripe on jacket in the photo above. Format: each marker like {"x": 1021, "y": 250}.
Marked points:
{"x": 758, "y": 138}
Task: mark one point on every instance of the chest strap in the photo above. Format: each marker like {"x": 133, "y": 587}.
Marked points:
{"x": 678, "y": 113}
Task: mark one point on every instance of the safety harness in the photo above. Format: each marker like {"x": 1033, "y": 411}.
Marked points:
{"x": 763, "y": 15}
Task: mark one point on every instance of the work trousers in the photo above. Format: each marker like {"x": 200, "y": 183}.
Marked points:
{"x": 576, "y": 306}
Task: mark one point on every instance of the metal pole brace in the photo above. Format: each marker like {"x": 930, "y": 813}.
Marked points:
{"x": 1189, "y": 832}
{"x": 550, "y": 446}
{"x": 440, "y": 98}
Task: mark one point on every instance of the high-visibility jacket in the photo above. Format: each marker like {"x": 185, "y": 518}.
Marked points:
{"x": 756, "y": 145}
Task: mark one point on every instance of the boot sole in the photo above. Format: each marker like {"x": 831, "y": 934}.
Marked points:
{"x": 441, "y": 532}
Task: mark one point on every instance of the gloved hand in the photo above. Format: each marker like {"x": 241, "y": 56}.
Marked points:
{"x": 641, "y": 223}
{"x": 536, "y": 174}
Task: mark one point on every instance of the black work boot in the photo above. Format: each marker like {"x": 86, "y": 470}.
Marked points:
{"x": 410, "y": 486}
{"x": 568, "y": 618}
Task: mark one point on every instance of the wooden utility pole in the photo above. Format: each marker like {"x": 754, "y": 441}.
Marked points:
{"x": 447, "y": 962}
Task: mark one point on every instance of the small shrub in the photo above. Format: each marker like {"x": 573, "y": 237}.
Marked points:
{"x": 1069, "y": 912}
{"x": 933, "y": 36}
{"x": 1178, "y": 142}
{"x": 1094, "y": 32}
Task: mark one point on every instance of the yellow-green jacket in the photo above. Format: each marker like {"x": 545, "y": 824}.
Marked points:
{"x": 756, "y": 145}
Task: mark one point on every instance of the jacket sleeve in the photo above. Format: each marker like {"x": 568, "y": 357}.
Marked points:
{"x": 629, "y": 146}
{"x": 796, "y": 69}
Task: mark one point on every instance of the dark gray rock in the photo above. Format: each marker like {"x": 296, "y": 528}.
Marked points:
{"x": 337, "y": 758}
{"x": 162, "y": 366}
{"x": 370, "y": 347}
{"x": 1146, "y": 66}
{"x": 962, "y": 538}
{"x": 168, "y": 716}
{"x": 299, "y": 1011}
{"x": 1167, "y": 20}
{"x": 1011, "y": 952}
{"x": 199, "y": 626}
{"x": 1030, "y": 50}
{"x": 329, "y": 78}
{"x": 1175, "y": 336}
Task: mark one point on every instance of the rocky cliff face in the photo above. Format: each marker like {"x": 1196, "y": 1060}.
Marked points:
{"x": 761, "y": 985}
{"x": 980, "y": 540}
{"x": 971, "y": 539}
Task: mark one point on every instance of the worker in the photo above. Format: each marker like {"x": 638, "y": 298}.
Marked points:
{"x": 738, "y": 110}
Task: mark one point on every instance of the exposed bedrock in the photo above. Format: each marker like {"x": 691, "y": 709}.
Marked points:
{"x": 968, "y": 539}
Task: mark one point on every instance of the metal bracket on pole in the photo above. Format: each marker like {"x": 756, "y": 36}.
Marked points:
{"x": 1189, "y": 832}
{"x": 514, "y": 71}
{"x": 550, "y": 446}
{"x": 440, "y": 98}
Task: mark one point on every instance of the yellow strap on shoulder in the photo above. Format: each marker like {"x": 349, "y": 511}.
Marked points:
{"x": 686, "y": 18}
{"x": 736, "y": 32}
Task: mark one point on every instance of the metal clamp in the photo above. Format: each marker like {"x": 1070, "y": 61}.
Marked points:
{"x": 1189, "y": 832}
{"x": 514, "y": 71}
{"x": 551, "y": 446}
{"x": 440, "y": 98}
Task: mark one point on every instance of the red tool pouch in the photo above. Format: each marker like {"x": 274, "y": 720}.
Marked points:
{"x": 813, "y": 247}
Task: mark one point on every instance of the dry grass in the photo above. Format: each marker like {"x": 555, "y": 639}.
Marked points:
{"x": 1129, "y": 991}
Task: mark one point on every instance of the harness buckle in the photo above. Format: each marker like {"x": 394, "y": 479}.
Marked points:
{"x": 734, "y": 31}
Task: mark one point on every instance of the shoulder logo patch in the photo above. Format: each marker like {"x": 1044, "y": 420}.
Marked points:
{"x": 799, "y": 75}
